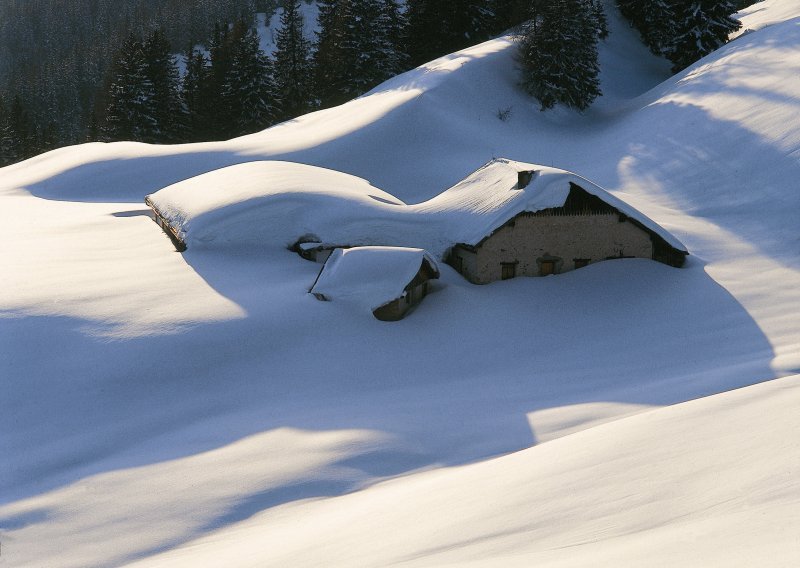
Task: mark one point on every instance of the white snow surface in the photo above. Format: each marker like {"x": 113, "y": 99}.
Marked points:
{"x": 167, "y": 409}
{"x": 369, "y": 277}
{"x": 268, "y": 204}
{"x": 277, "y": 203}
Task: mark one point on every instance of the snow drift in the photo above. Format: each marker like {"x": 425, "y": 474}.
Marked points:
{"x": 369, "y": 277}
{"x": 177, "y": 407}
{"x": 265, "y": 204}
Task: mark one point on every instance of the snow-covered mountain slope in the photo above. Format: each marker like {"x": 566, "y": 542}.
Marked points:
{"x": 670, "y": 487}
{"x": 153, "y": 401}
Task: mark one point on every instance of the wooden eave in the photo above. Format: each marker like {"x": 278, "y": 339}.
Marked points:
{"x": 162, "y": 222}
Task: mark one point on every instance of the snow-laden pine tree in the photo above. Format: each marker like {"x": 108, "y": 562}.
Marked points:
{"x": 423, "y": 43}
{"x": 23, "y": 129}
{"x": 248, "y": 90}
{"x": 392, "y": 25}
{"x": 681, "y": 30}
{"x": 129, "y": 114}
{"x": 439, "y": 27}
{"x": 330, "y": 79}
{"x": 219, "y": 121}
{"x": 653, "y": 19}
{"x": 599, "y": 14}
{"x": 700, "y": 27}
{"x": 162, "y": 74}
{"x": 558, "y": 54}
{"x": 656, "y": 24}
{"x": 507, "y": 14}
{"x": 197, "y": 97}
{"x": 293, "y": 69}
{"x": 368, "y": 44}
{"x": 8, "y": 149}
{"x": 357, "y": 47}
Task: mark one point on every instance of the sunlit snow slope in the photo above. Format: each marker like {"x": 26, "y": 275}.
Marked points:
{"x": 202, "y": 409}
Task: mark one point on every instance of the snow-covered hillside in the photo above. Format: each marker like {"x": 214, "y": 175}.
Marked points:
{"x": 170, "y": 409}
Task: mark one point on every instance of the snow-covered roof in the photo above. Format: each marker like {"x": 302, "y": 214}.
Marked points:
{"x": 267, "y": 203}
{"x": 272, "y": 203}
{"x": 490, "y": 196}
{"x": 370, "y": 276}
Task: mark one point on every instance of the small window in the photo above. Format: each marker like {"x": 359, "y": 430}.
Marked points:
{"x": 508, "y": 270}
{"x": 581, "y": 262}
{"x": 547, "y": 267}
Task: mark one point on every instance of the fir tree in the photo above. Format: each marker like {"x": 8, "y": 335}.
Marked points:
{"x": 631, "y": 10}
{"x": 681, "y": 30}
{"x": 423, "y": 43}
{"x": 390, "y": 29}
{"x": 656, "y": 24}
{"x": 19, "y": 137}
{"x": 197, "y": 98}
{"x": 507, "y": 14}
{"x": 162, "y": 74}
{"x": 558, "y": 53}
{"x": 129, "y": 112}
{"x": 330, "y": 77}
{"x": 293, "y": 79}
{"x": 248, "y": 89}
{"x": 439, "y": 27}
{"x": 219, "y": 122}
{"x": 700, "y": 27}
{"x": 8, "y": 146}
{"x": 358, "y": 47}
{"x": 370, "y": 55}
{"x": 600, "y": 18}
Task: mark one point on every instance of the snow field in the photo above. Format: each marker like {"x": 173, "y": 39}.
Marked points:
{"x": 196, "y": 408}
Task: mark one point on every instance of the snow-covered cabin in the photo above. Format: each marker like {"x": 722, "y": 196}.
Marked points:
{"x": 537, "y": 221}
{"x": 388, "y": 281}
{"x": 505, "y": 219}
{"x": 270, "y": 203}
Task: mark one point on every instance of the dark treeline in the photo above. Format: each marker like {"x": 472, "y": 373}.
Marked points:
{"x": 55, "y": 54}
{"x": 558, "y": 43}
{"x": 105, "y": 69}
{"x": 683, "y": 31}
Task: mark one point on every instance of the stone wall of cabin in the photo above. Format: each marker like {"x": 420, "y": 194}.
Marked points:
{"x": 397, "y": 309}
{"x": 562, "y": 239}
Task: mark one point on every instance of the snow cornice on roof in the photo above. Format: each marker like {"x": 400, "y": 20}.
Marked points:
{"x": 493, "y": 196}
{"x": 272, "y": 203}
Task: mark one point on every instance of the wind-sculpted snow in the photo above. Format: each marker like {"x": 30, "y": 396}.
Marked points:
{"x": 203, "y": 409}
{"x": 268, "y": 204}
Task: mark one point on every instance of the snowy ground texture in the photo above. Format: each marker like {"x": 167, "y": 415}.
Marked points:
{"x": 202, "y": 409}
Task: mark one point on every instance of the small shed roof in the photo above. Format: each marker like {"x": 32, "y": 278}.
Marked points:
{"x": 370, "y": 276}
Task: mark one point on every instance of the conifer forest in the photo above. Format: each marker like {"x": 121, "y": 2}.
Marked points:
{"x": 173, "y": 71}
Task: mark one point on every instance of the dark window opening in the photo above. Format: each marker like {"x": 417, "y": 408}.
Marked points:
{"x": 581, "y": 262}
{"x": 580, "y": 200}
{"x": 508, "y": 270}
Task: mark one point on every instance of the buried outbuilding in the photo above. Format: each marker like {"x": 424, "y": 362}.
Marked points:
{"x": 388, "y": 281}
